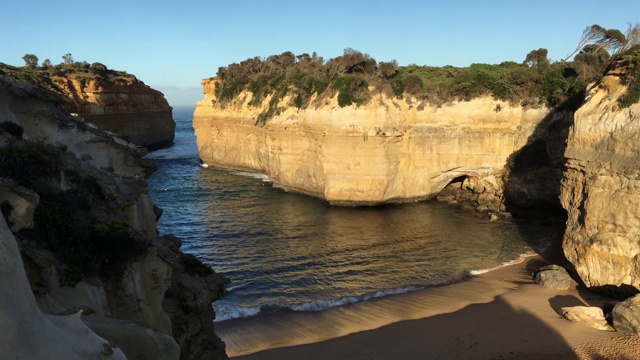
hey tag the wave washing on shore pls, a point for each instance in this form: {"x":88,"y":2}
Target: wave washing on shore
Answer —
{"x":289,"y":252}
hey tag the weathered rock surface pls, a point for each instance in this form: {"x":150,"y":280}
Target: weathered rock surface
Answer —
{"x":92,"y":188}
{"x":591,"y":316}
{"x":27,"y":333}
{"x":626,"y":316}
{"x":601,"y":190}
{"x":553,"y":276}
{"x":124,"y":106}
{"x":112,"y":100}
{"x":387,"y":150}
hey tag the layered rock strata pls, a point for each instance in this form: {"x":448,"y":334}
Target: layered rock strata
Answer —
{"x":387,"y":150}
{"x":124,"y":106}
{"x":88,"y":188}
{"x":601,"y":190}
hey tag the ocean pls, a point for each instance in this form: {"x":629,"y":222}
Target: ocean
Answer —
{"x":287,"y":253}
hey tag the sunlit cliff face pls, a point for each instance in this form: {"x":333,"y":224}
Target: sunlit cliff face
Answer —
{"x":384,"y":151}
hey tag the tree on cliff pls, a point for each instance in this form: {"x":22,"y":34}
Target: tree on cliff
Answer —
{"x":67,"y":59}
{"x":537,"y":58}
{"x":30,"y":60}
{"x":611,"y":40}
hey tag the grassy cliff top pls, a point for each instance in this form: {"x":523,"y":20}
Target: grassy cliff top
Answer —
{"x":51,"y":77}
{"x":356,"y":77}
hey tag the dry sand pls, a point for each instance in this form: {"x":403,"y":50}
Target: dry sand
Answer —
{"x":518,"y":320}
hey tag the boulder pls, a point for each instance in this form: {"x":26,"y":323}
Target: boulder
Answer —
{"x":588,"y":315}
{"x":553,"y":276}
{"x":626,"y":316}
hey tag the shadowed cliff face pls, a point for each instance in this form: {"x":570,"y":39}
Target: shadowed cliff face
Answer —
{"x":601,"y":190}
{"x":94,"y":245}
{"x":112,"y":100}
{"x":387,"y":150}
{"x":124,"y":106}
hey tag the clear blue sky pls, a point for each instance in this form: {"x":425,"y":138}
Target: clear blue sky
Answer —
{"x":172,"y":45}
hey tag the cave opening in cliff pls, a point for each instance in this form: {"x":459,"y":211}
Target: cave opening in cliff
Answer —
{"x":452,"y":192}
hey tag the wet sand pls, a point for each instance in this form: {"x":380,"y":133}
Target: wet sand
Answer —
{"x":501,"y":314}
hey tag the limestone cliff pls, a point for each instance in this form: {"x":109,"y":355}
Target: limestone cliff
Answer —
{"x":114,"y":101}
{"x":124,"y":106}
{"x":387,"y":150}
{"x":94,"y":246}
{"x":601,"y":189}
{"x":27,"y":332}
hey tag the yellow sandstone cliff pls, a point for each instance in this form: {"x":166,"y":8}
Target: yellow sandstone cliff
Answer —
{"x":387,"y":150}
{"x":122,"y":105}
{"x":601,"y":190}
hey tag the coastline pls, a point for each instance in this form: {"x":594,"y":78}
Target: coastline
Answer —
{"x":496,"y":314}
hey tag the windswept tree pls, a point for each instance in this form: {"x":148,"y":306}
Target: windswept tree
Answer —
{"x":30,"y":60}
{"x":537,"y":58}
{"x":67,"y":59}
{"x":611,"y":40}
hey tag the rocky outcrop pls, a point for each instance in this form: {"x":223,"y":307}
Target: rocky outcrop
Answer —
{"x":123,"y":105}
{"x":387,"y":150}
{"x":601,"y":190}
{"x":111,"y":100}
{"x":591,"y":316}
{"x":94,"y":246}
{"x":625,"y":317}
{"x":553,"y":276}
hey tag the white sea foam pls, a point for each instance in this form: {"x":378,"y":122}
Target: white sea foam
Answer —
{"x":258,"y":176}
{"x":227,"y":312}
{"x":544,"y":245}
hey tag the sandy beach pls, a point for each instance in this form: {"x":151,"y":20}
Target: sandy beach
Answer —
{"x":501,"y":314}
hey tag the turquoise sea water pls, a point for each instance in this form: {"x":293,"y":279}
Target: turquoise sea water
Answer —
{"x":290,"y":252}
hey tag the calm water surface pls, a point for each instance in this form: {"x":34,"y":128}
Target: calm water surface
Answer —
{"x":290,"y":251}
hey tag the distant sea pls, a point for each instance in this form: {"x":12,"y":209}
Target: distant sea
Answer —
{"x":287,"y":252}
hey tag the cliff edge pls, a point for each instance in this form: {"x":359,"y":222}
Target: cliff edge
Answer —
{"x":387,"y":150}
{"x":76,"y":199}
{"x":601,"y":186}
{"x":112,"y":100}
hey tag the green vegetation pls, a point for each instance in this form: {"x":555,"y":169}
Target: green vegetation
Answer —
{"x":631,"y":62}
{"x":50,"y":76}
{"x":64,"y":219}
{"x":355,"y":77}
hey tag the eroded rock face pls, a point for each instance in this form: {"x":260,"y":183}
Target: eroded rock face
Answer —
{"x":30,"y":334}
{"x":91,"y":187}
{"x":124,"y":106}
{"x":601,"y":191}
{"x":625,"y":316}
{"x":388,"y":150}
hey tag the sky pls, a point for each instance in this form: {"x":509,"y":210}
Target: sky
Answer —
{"x":172,"y":45}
